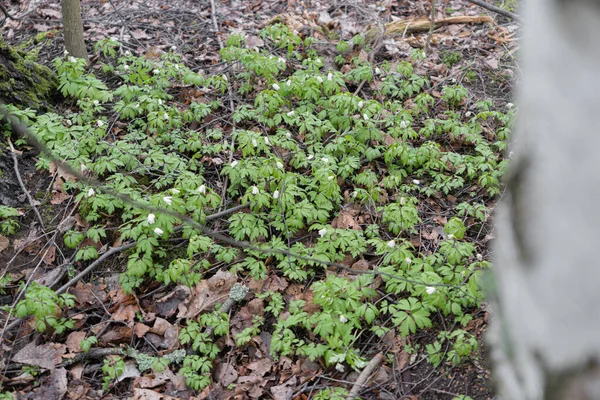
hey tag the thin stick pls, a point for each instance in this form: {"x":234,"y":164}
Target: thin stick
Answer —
{"x":364,"y":376}
{"x":431,"y":26}
{"x":29,"y":198}
{"x":495,"y":9}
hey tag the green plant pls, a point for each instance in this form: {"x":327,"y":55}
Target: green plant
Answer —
{"x":46,"y":306}
{"x":113,"y":367}
{"x":8,"y":223}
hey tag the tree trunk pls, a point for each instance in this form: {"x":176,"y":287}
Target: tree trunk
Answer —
{"x":73,"y":28}
{"x":546,"y":331}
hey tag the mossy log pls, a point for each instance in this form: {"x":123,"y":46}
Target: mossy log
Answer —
{"x":23,"y":82}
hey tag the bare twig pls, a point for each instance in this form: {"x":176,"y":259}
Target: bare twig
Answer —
{"x":29,"y":198}
{"x":495,"y":9}
{"x":364,"y":376}
{"x":431,"y":26}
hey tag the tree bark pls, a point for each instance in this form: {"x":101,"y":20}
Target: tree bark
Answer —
{"x":546,"y":330}
{"x":73,"y":28}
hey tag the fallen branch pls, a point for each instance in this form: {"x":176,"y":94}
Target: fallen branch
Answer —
{"x":364,"y":376}
{"x":29,"y":198}
{"x":495,"y":9}
{"x":402,"y":27}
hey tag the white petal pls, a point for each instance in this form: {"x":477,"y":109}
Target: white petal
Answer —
{"x":366,"y":117}
{"x":329,"y":76}
{"x":330,"y":177}
{"x":430,"y":290}
{"x":91,"y":192}
{"x":310,"y":157}
{"x":360,"y":104}
{"x":168,"y":199}
{"x":202,"y":189}
{"x":322,"y":232}
{"x":151,"y":218}
{"x":254,"y":142}
{"x":99,"y":123}
{"x":416,"y":181}
{"x":325,"y":160}
{"x":255,"y":190}
{"x":267,"y":140}
{"x":158,"y":231}
{"x":391,"y":244}
{"x":275,"y":86}
{"x":320,"y":79}
{"x":234,"y":163}
{"x":279,"y":165}
{"x":343,"y":319}
{"x":290,"y":114}
{"x":276,"y":194}
{"x":408,"y":260}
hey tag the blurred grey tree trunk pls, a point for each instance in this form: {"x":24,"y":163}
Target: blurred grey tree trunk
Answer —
{"x":546,"y":331}
{"x":73,"y":28}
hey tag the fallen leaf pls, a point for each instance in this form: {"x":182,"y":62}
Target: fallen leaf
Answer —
{"x":254,"y":41}
{"x":225,"y":374}
{"x":50,"y":255}
{"x":73,"y":341}
{"x":260,"y":367}
{"x":140,"y":329}
{"x":4,"y":243}
{"x":284,"y":391}
{"x":131,"y":371}
{"x":345,"y":220}
{"x":46,"y":355}
{"x":147,"y":394}
{"x":140,"y":34}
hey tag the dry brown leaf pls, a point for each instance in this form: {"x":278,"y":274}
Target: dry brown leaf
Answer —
{"x":345,"y":220}
{"x":140,"y":329}
{"x":73,"y":341}
{"x":59,"y":197}
{"x":284,"y":391}
{"x":50,"y":255}
{"x":46,"y":355}
{"x":260,"y":367}
{"x":4,"y":243}
{"x":225,"y":374}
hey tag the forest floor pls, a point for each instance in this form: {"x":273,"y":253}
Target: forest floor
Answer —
{"x":430,"y":349}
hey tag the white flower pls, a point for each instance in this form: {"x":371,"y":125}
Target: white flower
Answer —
{"x":468,"y":114}
{"x":322,"y":232}
{"x":83,"y":168}
{"x":290,"y":114}
{"x":511,"y":154}
{"x":234,"y":163}
{"x":279,"y":165}
{"x":403,"y":124}
{"x":391,"y":244}
{"x":254,"y":142}
{"x":176,"y":66}
{"x":276,"y":194}
{"x":202,"y":189}
{"x":175,"y":191}
{"x":416,"y":181}
{"x":509,"y":106}
{"x":289,"y":82}
{"x":377,"y":71}
{"x":225,"y":78}
{"x":72,"y":59}
{"x":166,"y":116}
{"x":329,"y":76}
{"x":366,"y":117}
{"x":275,"y":86}
{"x":320,"y":79}
{"x":281,"y":59}
{"x":158,"y":231}
{"x":479,"y":257}
{"x":325,"y":160}
{"x":69,"y":123}
{"x":173,"y":48}
{"x":114,"y":39}
{"x":310,"y":157}
{"x":330,"y":177}
{"x":267,"y":140}
{"x":450,"y":236}
{"x":65,"y":53}
{"x":430,"y":290}
{"x":360,"y":104}
{"x":402,"y":201}
{"x":255,"y":190}
{"x":168,"y":199}
{"x":340,"y":367}
{"x":408,"y":260}
{"x":156,"y":71}
{"x":127,"y":53}
{"x":126,"y":67}
{"x":91,"y":192}
{"x":151,"y":218}
{"x":343,"y":319}
{"x":96,"y":103}
{"x":137,"y":105}
{"x":100,"y":123}
{"x":354,"y":194}
{"x":288,"y":134}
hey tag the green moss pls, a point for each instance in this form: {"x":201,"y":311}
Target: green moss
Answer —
{"x":24,"y":82}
